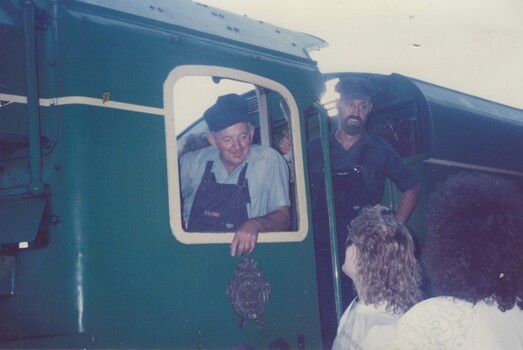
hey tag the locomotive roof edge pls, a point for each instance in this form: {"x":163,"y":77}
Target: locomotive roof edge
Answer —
{"x":190,"y":16}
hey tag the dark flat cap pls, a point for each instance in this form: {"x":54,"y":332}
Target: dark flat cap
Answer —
{"x":228,"y":110}
{"x":356,"y":88}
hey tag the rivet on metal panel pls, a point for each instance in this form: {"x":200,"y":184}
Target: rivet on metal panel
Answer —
{"x":106,"y":96}
{"x":233,"y":29}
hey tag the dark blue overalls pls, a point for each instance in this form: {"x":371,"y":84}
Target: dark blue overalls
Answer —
{"x":219,"y":207}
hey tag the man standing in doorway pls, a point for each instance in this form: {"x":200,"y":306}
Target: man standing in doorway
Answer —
{"x":360,"y":164}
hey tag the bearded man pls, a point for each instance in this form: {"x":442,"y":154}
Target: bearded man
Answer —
{"x":360,"y":164}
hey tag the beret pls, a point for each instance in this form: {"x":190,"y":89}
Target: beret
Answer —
{"x":356,"y":88}
{"x":228,"y":110}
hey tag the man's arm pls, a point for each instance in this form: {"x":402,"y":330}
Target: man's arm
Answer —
{"x":408,"y":201}
{"x":285,"y":144}
{"x":246,"y":236}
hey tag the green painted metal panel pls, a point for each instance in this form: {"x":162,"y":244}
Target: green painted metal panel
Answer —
{"x":20,"y":219}
{"x":112,"y":274}
{"x":7,"y":274}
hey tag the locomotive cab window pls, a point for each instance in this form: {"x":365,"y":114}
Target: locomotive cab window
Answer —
{"x":222,"y":130}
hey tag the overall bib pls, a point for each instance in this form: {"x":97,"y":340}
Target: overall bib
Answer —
{"x":350,"y":195}
{"x":219,"y":207}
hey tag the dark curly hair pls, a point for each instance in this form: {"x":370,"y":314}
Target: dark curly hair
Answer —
{"x":386,"y":267}
{"x":474,"y":246}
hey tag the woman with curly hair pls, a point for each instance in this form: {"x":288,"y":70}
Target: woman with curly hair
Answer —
{"x":474,"y":262}
{"x":380,"y":260}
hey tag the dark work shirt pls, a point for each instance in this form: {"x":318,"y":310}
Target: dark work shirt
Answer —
{"x":380,"y":162}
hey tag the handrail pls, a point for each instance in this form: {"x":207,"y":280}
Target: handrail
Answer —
{"x":36,"y":186}
{"x":324,"y":133}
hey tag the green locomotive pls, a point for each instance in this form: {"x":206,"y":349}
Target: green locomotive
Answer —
{"x":97,"y":101}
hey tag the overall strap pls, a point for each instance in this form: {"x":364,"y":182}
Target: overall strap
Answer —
{"x":243,"y":184}
{"x":207,"y":174}
{"x":363,"y":153}
{"x":241,"y":177}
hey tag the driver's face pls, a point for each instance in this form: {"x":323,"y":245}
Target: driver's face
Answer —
{"x":233,"y":143}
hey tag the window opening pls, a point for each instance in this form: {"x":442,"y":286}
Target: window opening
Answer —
{"x":270,"y":106}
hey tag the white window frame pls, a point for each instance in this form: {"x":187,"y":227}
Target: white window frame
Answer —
{"x":175,"y":209}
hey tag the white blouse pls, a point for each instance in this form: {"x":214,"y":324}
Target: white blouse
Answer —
{"x":445,"y":323}
{"x":356,"y":323}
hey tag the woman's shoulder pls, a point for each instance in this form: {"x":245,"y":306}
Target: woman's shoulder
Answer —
{"x":450,"y":323}
{"x":436,"y":301}
{"x":435,"y":323}
{"x":440,"y":307}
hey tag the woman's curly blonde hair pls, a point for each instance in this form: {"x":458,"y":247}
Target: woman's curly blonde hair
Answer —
{"x":386,"y":268}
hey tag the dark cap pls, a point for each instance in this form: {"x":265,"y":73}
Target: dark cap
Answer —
{"x":228,"y":110}
{"x":356,"y":88}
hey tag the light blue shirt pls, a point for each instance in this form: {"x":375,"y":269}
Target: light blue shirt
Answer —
{"x":267,"y":176}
